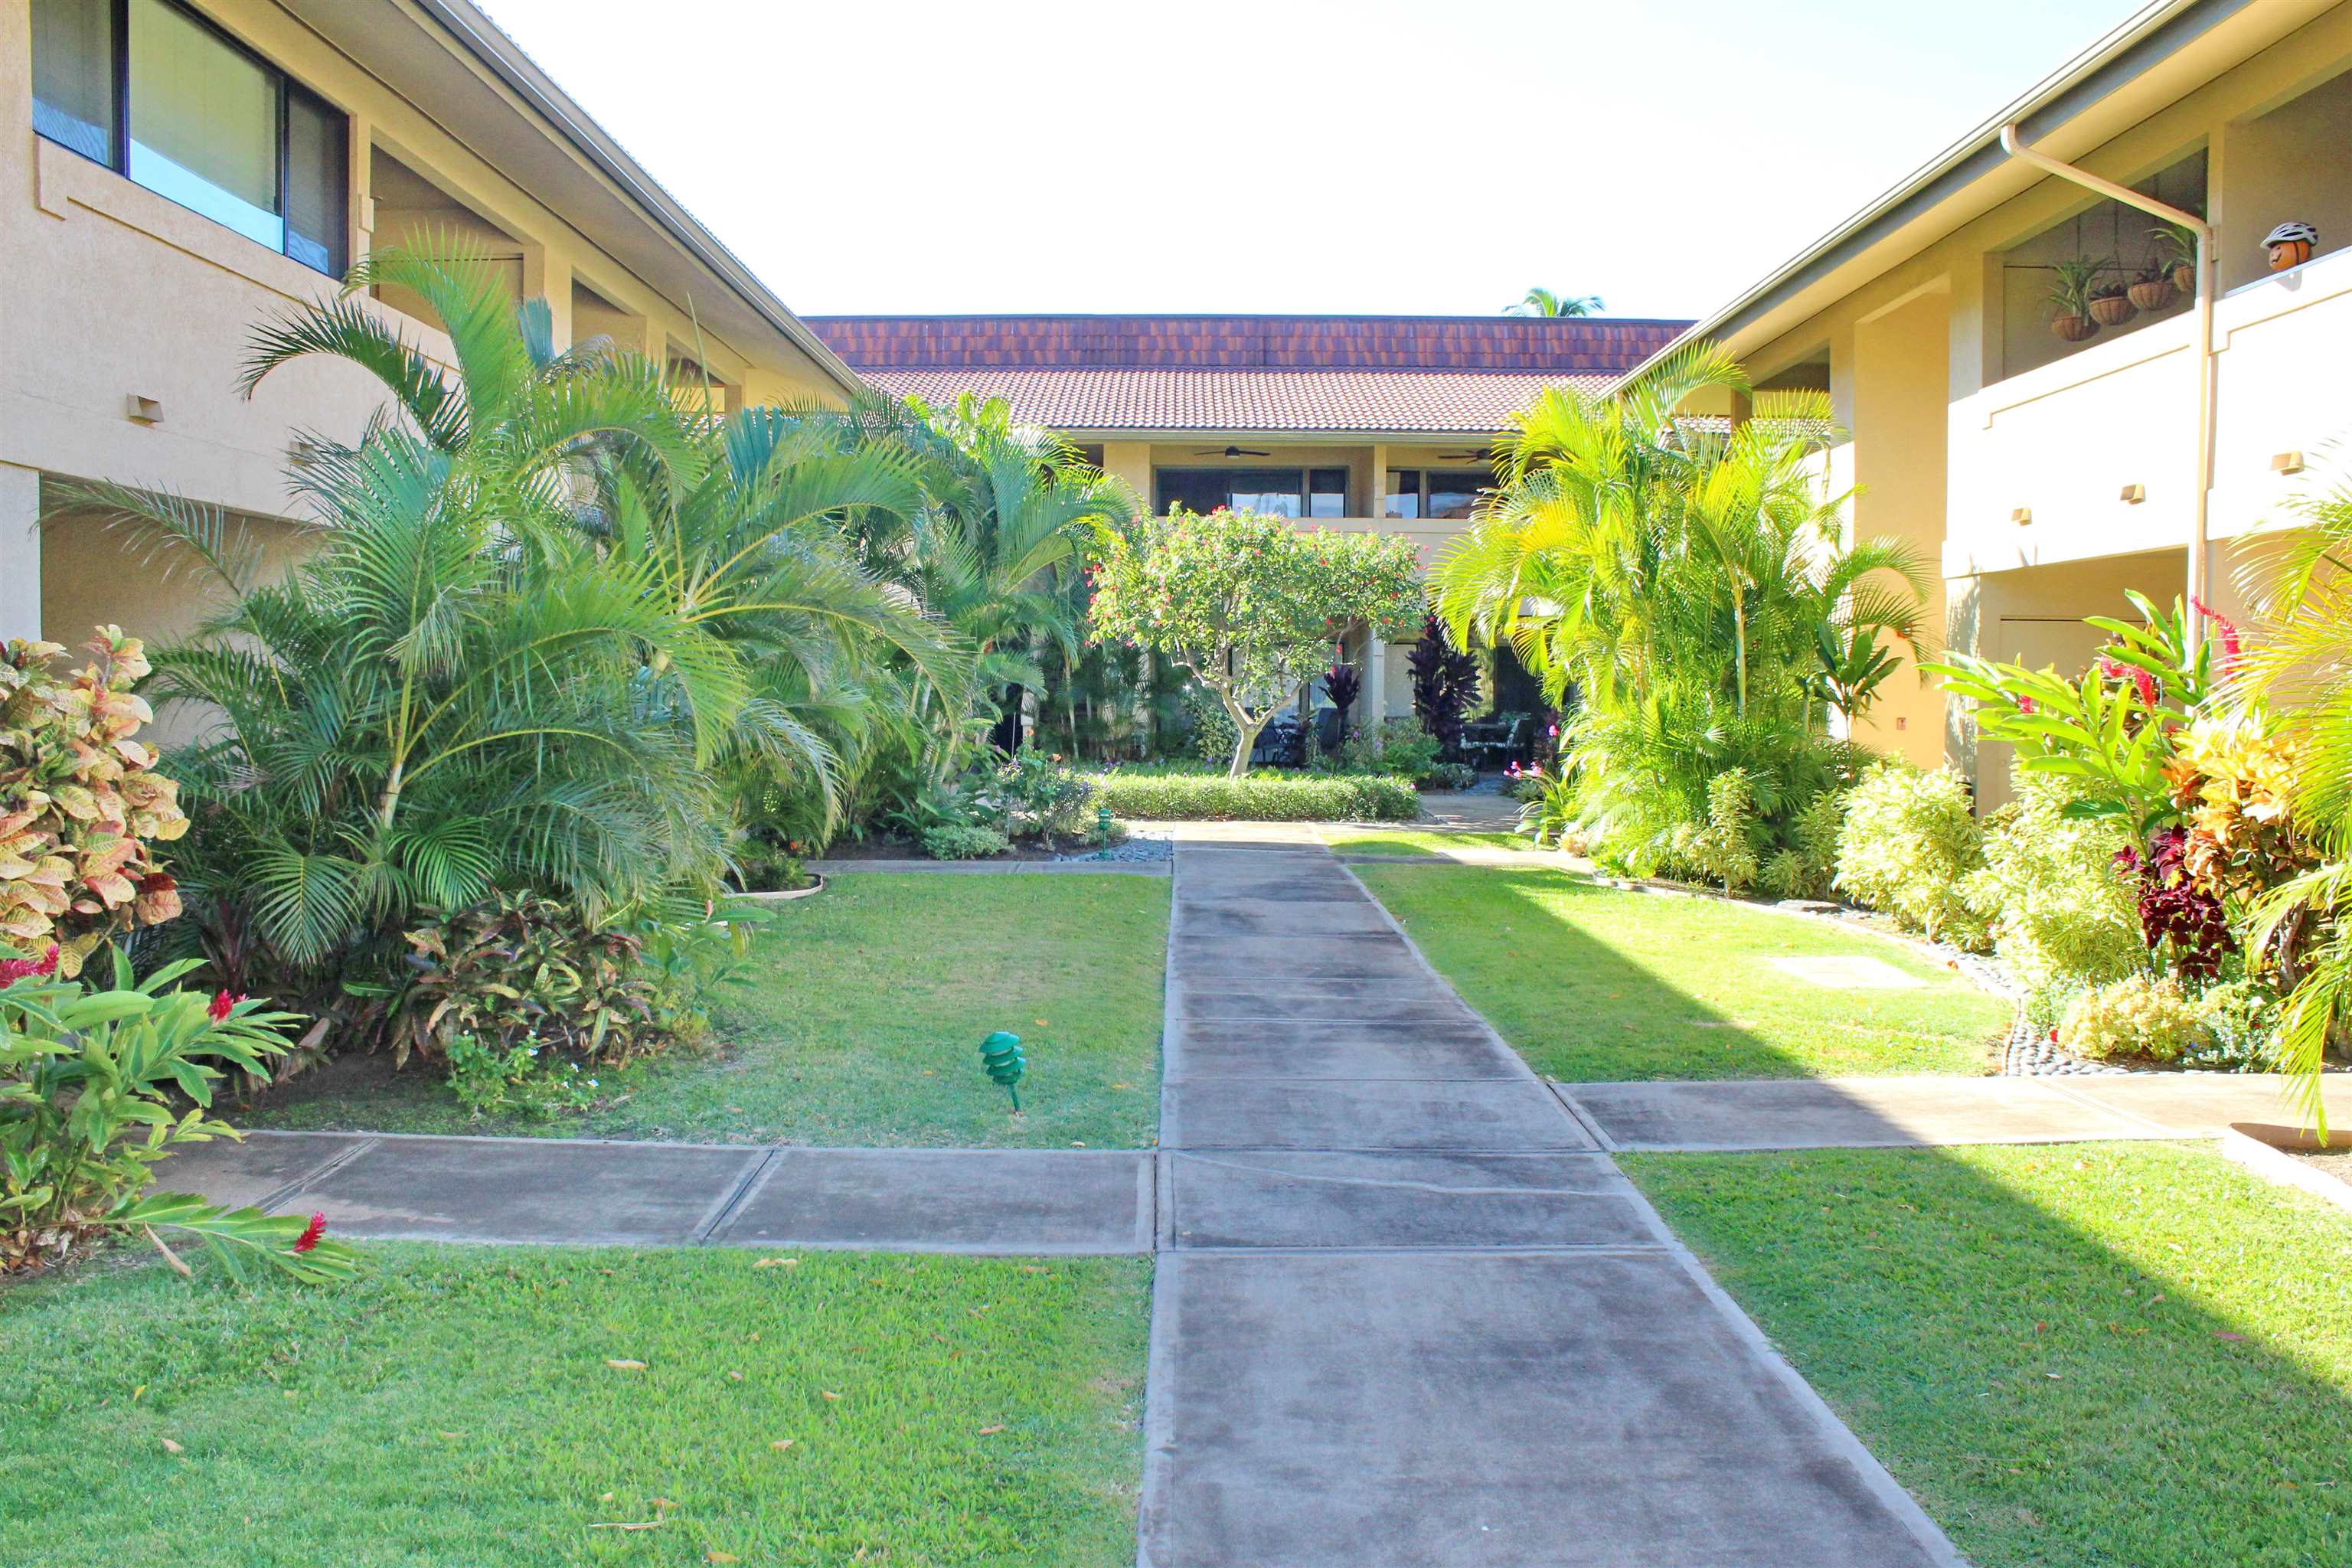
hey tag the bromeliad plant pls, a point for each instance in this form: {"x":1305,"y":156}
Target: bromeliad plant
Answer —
{"x":89,"y":1079}
{"x":81,"y":806}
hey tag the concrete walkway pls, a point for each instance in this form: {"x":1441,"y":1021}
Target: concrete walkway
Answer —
{"x":1407,"y":1311}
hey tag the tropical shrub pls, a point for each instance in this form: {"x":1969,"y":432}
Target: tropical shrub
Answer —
{"x":689,"y":953}
{"x":81,"y":806}
{"x":492,"y":1079}
{"x":1445,"y":685}
{"x":98,"y":1084}
{"x":2239,"y":1028}
{"x":1908,"y":842}
{"x":1551,"y":811}
{"x":1448,"y":775}
{"x":2061,"y":909}
{"x":1401,"y":748}
{"x":1031,"y":795}
{"x":1807,"y":867}
{"x":1166,"y":796}
{"x":1249,"y":603}
{"x":522,"y":970}
{"x":1684,"y":583}
{"x":956,"y":842}
{"x":1212,"y":734}
{"x":1724,"y":850}
{"x":2138,"y":1015}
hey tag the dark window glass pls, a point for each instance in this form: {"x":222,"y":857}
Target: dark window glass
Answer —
{"x":1196,"y":490}
{"x":1403,"y":492}
{"x":1327,"y":492}
{"x":211,"y":127}
{"x":318,"y":172}
{"x":1452,"y":493}
{"x":73,"y":75}
{"x":1277,"y":492}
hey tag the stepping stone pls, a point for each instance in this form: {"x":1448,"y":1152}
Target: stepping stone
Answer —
{"x":1359,"y":1113}
{"x":1296,"y":1199}
{"x":1016,"y":1201}
{"x":526,"y":1190}
{"x":1491,"y":1410}
{"x":1858,"y":1113}
{"x":1290,"y":1048}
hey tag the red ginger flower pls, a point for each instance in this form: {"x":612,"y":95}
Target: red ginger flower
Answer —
{"x":12,"y":970}
{"x":221,"y":1004}
{"x":311,"y":1232}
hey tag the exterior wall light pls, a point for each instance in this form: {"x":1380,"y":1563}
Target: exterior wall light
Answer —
{"x":2022,"y":516}
{"x":2133,"y":494}
{"x":144,"y":410}
{"x":2287,"y":462}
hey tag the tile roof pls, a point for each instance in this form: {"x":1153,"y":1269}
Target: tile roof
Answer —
{"x":1442,"y":374}
{"x":1572,"y":344}
{"x":1384,"y":402}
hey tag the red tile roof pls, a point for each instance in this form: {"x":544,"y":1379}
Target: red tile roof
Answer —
{"x":1369,"y":402}
{"x":1442,"y":374}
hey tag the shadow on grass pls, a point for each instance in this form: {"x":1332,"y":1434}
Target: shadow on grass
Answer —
{"x":2115,"y":1354}
{"x":1598,"y":984}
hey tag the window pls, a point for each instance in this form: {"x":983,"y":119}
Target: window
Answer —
{"x":1439,"y":493}
{"x":152,"y":91}
{"x":1327,"y":492}
{"x":1277,"y":492}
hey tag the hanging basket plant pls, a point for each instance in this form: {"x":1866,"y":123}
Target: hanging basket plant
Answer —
{"x":2110,"y":304}
{"x":2152,"y":290}
{"x":2175,"y":256}
{"x":2071,"y":282}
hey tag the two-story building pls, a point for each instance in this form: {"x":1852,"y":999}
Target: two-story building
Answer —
{"x":172,"y":173}
{"x":2049,"y":454}
{"x":1344,"y":421}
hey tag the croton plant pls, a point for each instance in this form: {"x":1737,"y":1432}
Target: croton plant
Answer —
{"x":81,"y":805}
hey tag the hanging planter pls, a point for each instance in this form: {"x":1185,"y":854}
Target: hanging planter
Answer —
{"x":2071,"y":282}
{"x":2176,"y":257}
{"x":2110,"y":305}
{"x":2152,"y":291}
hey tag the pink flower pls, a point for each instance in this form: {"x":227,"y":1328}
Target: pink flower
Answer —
{"x":2231,"y":646}
{"x":12,"y":970}
{"x":222,"y":1004}
{"x":311,"y":1232}
{"x":2027,"y":705}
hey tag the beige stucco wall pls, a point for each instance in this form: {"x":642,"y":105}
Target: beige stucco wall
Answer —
{"x":2057,"y":487}
{"x":112,"y":291}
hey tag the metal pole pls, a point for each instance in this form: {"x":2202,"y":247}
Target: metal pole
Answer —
{"x":2014,"y":145}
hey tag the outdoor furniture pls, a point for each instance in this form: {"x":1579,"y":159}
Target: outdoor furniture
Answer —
{"x":1493,"y":743}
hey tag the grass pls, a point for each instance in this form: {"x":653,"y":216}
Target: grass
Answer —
{"x":1418,"y":841}
{"x":457,"y":1409}
{"x":2096,"y":1356}
{"x":863,"y":1023}
{"x":1597,"y":984}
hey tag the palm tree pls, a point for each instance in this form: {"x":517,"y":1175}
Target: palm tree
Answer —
{"x":1544,"y":303}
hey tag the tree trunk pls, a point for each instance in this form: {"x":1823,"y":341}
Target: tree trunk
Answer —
{"x":1246,"y":733}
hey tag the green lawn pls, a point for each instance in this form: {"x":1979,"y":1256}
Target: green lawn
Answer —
{"x":1592,"y":983}
{"x":864,"y":1028}
{"x":1418,"y":841}
{"x":457,"y":1409}
{"x":2093,"y":1356}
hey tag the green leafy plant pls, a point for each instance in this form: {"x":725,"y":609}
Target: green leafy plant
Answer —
{"x":2240,"y":1022}
{"x":1249,"y":603}
{"x":1401,"y":748}
{"x":91,"y":1085}
{"x":961,"y":843}
{"x":1807,"y":867}
{"x":2062,"y":911}
{"x":1033,"y":796}
{"x":2138,"y":1015}
{"x":81,"y":805}
{"x":1724,"y":848}
{"x":521,"y":969}
{"x":1212,"y":734}
{"x":1166,"y":796}
{"x":2073,"y":280}
{"x":1908,"y":841}
{"x":513,"y":1080}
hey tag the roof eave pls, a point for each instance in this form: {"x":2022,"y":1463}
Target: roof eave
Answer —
{"x":2142,"y":40}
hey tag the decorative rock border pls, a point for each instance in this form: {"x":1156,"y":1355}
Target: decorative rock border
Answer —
{"x":786,"y":895}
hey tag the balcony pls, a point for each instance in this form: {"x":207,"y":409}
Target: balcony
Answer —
{"x":2095,"y":454}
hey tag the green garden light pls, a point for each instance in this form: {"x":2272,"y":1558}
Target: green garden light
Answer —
{"x":1000,"y":1054}
{"x":1102,"y":827}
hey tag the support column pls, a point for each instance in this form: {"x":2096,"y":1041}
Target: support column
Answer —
{"x":549,"y":278}
{"x":20,"y":551}
{"x":1129,"y":462}
{"x":1376,"y":680}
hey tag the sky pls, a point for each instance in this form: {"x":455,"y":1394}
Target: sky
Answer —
{"x":1284,"y":155}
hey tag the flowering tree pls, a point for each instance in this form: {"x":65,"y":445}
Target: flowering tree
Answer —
{"x":1248,"y":602}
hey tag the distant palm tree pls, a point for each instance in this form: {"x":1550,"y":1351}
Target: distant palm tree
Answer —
{"x":1544,"y":303}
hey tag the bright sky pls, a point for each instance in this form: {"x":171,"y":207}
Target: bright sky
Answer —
{"x":1377,"y":156}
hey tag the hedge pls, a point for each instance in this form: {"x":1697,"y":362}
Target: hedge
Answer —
{"x":1213,"y":798}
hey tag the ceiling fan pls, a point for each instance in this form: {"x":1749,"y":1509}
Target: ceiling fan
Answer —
{"x":1466,"y":457}
{"x":1233,"y":452}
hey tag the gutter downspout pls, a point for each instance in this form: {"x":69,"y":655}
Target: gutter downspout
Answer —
{"x":2193,"y":618}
